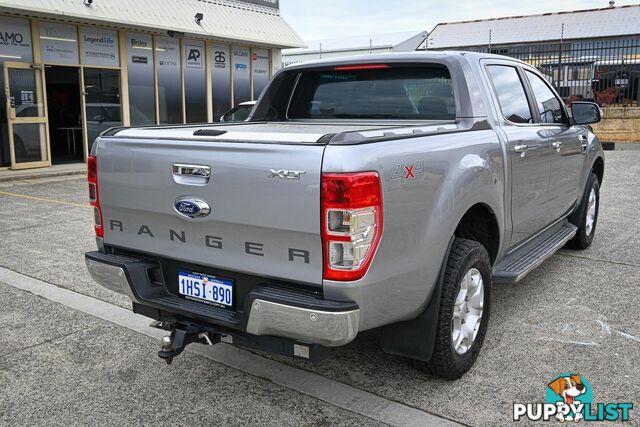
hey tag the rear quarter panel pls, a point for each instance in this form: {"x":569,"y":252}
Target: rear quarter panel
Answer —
{"x":420,"y":214}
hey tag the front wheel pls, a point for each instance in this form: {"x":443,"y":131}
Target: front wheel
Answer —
{"x":587,"y":217}
{"x":464,"y":310}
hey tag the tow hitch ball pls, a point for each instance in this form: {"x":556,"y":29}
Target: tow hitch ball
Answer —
{"x":174,"y":344}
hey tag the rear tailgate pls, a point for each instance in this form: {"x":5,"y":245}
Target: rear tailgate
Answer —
{"x":260,"y":223}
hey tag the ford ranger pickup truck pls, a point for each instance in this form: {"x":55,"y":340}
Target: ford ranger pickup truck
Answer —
{"x":384,"y":191}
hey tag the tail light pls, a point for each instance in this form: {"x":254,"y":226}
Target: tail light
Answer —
{"x":351,"y":223}
{"x":94,"y":198}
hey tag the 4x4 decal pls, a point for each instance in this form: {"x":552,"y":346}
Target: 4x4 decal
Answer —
{"x":409,"y":171}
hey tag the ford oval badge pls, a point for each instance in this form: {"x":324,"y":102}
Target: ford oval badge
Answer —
{"x":192,"y":207}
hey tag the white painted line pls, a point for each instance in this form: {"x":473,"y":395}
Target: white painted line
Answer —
{"x":333,"y":392}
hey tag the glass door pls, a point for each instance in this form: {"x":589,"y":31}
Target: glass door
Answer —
{"x":102,"y":101}
{"x":26,"y":116}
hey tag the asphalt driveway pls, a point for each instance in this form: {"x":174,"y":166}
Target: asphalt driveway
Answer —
{"x":578,"y":312}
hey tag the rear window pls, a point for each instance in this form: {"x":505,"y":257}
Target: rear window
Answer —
{"x":411,"y":93}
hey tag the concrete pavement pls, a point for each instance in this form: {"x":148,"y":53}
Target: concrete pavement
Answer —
{"x":578,"y":312}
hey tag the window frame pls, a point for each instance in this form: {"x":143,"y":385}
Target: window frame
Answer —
{"x":533,"y":108}
{"x":534,"y":100}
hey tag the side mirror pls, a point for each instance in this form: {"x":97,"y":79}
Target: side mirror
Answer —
{"x":585,"y":113}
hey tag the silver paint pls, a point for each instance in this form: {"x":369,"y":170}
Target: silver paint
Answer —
{"x":461,"y":169}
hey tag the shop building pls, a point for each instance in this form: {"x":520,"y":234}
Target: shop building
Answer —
{"x":73,"y":68}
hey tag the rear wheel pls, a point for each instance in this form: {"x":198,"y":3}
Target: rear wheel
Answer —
{"x":587,"y":217}
{"x":464,"y":310}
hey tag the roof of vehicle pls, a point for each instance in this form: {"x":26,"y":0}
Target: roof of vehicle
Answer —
{"x":420,"y":56}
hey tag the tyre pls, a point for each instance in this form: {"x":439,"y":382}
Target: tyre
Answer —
{"x":586,"y":217}
{"x":464,"y":310}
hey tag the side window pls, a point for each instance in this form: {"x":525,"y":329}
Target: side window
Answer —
{"x":549,"y":105}
{"x":510,"y":92}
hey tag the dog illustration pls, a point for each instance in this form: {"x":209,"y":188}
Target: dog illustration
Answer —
{"x":568,"y":388}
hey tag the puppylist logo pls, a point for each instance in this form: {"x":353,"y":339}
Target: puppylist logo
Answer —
{"x":569,"y":397}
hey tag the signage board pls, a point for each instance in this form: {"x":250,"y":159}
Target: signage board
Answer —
{"x":58,"y":43}
{"x":99,"y":47}
{"x":15,"y":40}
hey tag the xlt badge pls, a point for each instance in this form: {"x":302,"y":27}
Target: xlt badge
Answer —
{"x":286,"y":174}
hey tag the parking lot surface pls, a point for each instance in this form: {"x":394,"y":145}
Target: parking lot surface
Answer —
{"x":578,"y":312}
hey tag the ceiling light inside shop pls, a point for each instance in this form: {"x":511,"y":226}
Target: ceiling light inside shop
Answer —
{"x":60,"y":39}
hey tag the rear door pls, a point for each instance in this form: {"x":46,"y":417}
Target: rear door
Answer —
{"x":263,"y":202}
{"x":567,"y":143}
{"x":529,"y":152}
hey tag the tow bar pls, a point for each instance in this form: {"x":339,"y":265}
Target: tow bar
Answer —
{"x":181,"y":336}
{"x":183,"y":333}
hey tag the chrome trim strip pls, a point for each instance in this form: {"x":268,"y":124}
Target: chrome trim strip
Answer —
{"x":316,"y":327}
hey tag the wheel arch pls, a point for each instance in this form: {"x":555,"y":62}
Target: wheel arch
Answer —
{"x":480,"y":223}
{"x":598,"y":168}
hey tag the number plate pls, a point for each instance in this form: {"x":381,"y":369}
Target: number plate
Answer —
{"x":207,"y":289}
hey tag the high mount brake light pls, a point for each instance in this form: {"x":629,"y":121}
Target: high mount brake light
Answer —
{"x":351,"y":223}
{"x":361,"y":67}
{"x":94,"y":197}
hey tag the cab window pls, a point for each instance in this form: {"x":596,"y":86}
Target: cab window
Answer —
{"x":511,"y":94}
{"x":549,"y":106}
{"x":376,"y":91}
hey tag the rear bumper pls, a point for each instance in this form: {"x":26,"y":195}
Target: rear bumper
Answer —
{"x":267,"y":311}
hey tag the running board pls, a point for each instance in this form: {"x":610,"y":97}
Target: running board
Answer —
{"x":527,"y":258}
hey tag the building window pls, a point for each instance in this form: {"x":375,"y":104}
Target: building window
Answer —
{"x":221,"y":80}
{"x":169,"y":80}
{"x":260,"y":70}
{"x":140,"y":76}
{"x":102,"y":101}
{"x":195,"y":81}
{"x":241,"y":75}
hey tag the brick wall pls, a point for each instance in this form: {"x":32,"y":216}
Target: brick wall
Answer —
{"x":619,"y":124}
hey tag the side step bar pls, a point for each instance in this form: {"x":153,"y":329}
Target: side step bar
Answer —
{"x":528,"y":257}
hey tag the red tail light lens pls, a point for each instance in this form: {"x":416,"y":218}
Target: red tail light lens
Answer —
{"x":94,"y":199}
{"x":351,"y":223}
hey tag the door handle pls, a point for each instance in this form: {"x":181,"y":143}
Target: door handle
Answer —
{"x":583,"y":142}
{"x":520,"y":148}
{"x":556,"y":145}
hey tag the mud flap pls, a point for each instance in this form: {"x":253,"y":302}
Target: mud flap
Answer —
{"x":415,"y":338}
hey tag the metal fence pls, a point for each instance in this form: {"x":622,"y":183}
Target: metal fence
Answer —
{"x":606,"y":72}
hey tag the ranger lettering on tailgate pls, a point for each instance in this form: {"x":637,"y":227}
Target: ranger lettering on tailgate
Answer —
{"x":250,"y":248}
